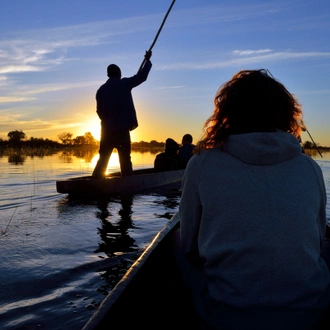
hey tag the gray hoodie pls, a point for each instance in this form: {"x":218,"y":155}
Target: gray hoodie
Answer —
{"x":254,"y":216}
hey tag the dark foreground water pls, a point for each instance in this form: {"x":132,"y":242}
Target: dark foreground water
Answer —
{"x":59,"y":257}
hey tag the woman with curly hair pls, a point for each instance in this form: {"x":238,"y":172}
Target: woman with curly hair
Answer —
{"x":253,"y":213}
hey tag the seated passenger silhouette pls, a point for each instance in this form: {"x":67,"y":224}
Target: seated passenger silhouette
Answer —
{"x":186,"y":150}
{"x":168,"y":160}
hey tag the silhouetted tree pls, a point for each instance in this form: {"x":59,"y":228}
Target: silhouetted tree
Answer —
{"x":308,"y":145}
{"x":41,"y":143}
{"x":16,"y":137}
{"x":65,"y":138}
{"x":87,"y":139}
{"x":79,"y":140}
{"x":90,"y":138}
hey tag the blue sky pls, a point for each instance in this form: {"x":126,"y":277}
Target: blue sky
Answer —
{"x":54,"y":54}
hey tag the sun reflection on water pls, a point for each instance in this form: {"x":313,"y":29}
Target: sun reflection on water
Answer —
{"x":139,"y":160}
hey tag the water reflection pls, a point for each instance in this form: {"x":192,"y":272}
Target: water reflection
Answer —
{"x":316,"y":155}
{"x":71,"y":155}
{"x":68,"y":155}
{"x":16,"y":158}
{"x":114,"y":225}
{"x":114,"y":233}
{"x":169,"y":197}
{"x":115,"y":215}
{"x":19,"y":155}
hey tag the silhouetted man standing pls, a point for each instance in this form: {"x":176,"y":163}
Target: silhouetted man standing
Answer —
{"x":115,"y":108}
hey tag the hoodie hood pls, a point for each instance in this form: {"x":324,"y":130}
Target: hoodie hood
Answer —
{"x":263,"y":148}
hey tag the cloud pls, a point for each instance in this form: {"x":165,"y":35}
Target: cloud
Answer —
{"x":28,"y":56}
{"x":27,"y":93}
{"x":219,"y":13}
{"x":19,"y":68}
{"x":250,"y":52}
{"x":258,"y":56}
{"x":41,"y":50}
{"x":275,"y":12}
{"x":11,"y":99}
{"x":38,"y":50}
{"x":45,"y":88}
{"x":171,"y":87}
{"x":13,"y":122}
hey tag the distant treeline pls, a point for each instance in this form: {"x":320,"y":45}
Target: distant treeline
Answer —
{"x":311,"y":149}
{"x":18,"y":139}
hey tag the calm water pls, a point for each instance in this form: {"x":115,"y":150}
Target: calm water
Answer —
{"x":61,"y":256}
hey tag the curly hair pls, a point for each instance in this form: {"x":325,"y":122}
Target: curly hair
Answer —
{"x":252,"y":101}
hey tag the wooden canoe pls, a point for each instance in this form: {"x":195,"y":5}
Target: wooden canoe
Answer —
{"x":150,"y":295}
{"x":113,"y":183}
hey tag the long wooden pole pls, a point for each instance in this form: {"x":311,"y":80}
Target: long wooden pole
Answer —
{"x":152,"y":45}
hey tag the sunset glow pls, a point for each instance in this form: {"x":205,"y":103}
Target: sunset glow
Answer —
{"x":54,"y":57}
{"x":93,"y":126}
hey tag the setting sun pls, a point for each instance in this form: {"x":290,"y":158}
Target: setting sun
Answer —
{"x":94,"y":127}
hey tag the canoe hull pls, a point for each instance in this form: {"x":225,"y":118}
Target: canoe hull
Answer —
{"x":115,"y":184}
{"x":150,"y":294}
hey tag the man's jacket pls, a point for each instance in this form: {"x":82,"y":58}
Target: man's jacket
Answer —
{"x":114,"y":101}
